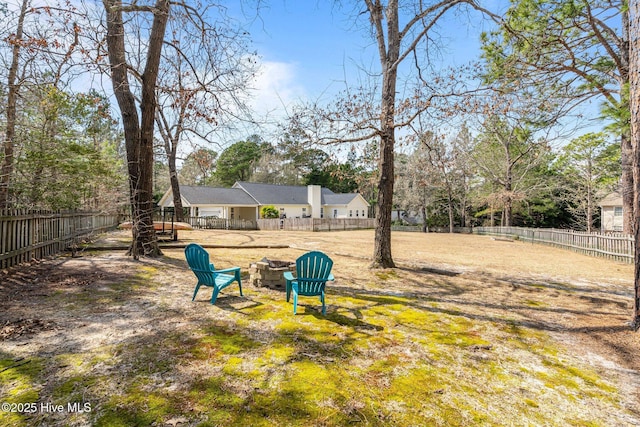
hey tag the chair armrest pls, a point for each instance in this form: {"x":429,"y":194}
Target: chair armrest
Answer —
{"x":331,"y":278}
{"x":288,"y":275}
{"x":227,"y":270}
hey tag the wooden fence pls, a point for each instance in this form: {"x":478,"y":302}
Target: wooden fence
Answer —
{"x":619,"y":247}
{"x":30,"y":235}
{"x":293,"y":224}
{"x":211,"y":223}
{"x":316,"y":224}
{"x":418,"y":229}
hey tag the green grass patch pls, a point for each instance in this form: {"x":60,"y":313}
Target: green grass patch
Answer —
{"x":387,"y":274}
{"x":19,"y":385}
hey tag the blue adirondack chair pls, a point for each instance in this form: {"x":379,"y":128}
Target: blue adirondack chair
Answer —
{"x":313,"y":270}
{"x":198,"y":260}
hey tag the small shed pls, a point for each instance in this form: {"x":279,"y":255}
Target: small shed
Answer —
{"x":611,"y":213}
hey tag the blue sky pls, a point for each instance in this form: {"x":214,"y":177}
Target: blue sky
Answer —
{"x":309,"y":47}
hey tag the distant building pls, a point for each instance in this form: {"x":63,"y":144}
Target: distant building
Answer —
{"x":244,"y":200}
{"x":611,"y":213}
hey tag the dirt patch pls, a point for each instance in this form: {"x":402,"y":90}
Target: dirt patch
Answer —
{"x":20,"y":327}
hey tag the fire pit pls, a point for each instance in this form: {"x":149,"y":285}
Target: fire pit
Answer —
{"x":269,"y":273}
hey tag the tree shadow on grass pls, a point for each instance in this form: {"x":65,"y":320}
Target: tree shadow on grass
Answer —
{"x":334,"y":315}
{"x":430,"y":270}
{"x":235,"y":303}
{"x":485,"y":311}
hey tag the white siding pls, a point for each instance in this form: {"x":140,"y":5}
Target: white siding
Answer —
{"x":611,"y":218}
{"x":335,"y":212}
{"x":211,"y":211}
{"x":295,"y":211}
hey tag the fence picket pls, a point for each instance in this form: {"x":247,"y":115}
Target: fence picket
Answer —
{"x":29,"y":235}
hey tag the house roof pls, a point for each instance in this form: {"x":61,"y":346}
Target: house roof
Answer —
{"x":338,"y":199}
{"x":208,"y":195}
{"x":272,"y":194}
{"x":255,"y":194}
{"x":612,"y":199}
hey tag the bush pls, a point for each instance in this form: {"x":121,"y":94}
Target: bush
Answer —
{"x":269,"y":211}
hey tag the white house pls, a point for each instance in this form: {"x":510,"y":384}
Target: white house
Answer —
{"x":611,"y":212}
{"x":244,"y":200}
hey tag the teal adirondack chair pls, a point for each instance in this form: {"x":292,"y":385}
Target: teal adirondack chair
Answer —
{"x":313,"y":270}
{"x":198,"y":260}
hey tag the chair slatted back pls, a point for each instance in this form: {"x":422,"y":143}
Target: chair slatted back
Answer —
{"x":198,"y":260}
{"x":313,"y":269}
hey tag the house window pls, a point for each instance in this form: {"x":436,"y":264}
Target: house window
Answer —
{"x":232,"y":213}
{"x":321,"y":212}
{"x":350,"y":213}
{"x":617,"y":211}
{"x":357,"y":212}
{"x":363,"y":213}
{"x":335,"y":213}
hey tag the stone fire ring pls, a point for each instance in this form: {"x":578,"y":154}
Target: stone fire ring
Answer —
{"x":269,"y":273}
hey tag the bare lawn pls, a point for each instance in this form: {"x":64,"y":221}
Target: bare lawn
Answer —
{"x":467,"y":330}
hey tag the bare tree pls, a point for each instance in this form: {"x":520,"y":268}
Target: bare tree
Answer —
{"x":205,"y":71}
{"x":634,"y":84}
{"x":138,"y":129}
{"x":375,"y":113}
{"x":6,"y":170}
{"x":450,"y":169}
{"x":416,"y":184}
{"x":198,"y":167}
{"x":39,"y":55}
{"x":509,"y":149}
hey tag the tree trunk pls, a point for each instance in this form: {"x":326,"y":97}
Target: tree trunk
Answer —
{"x":451,"y":216}
{"x":508,"y":187}
{"x":389,"y":54}
{"x":170,"y":148}
{"x":138,"y":134}
{"x":634,"y":84}
{"x":147,"y":243}
{"x":6,"y":170}
{"x":464,"y":220}
{"x":626,"y":141}
{"x":492,"y":216}
{"x":507,"y":214}
{"x":175,"y":189}
{"x":627,"y":182}
{"x":382,"y":247}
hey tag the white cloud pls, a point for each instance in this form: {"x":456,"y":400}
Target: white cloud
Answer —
{"x":275,"y":89}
